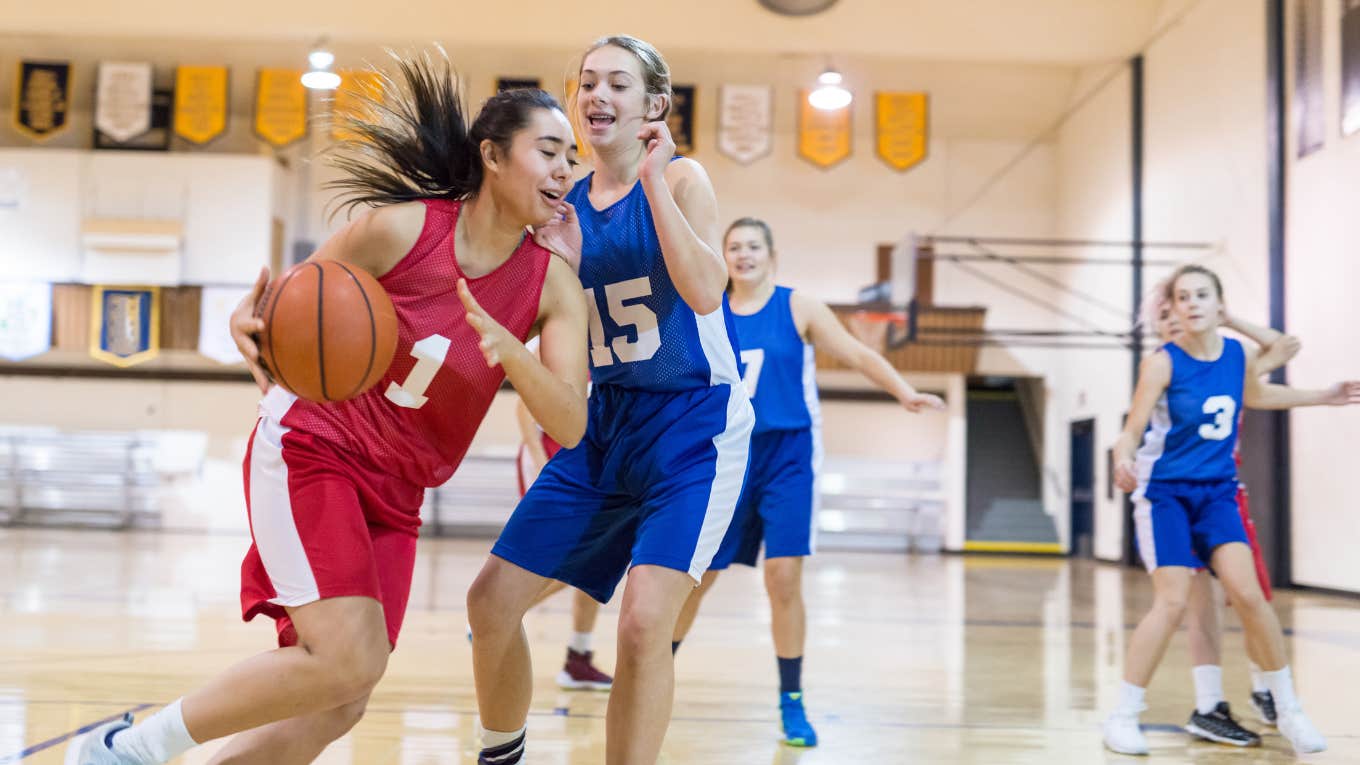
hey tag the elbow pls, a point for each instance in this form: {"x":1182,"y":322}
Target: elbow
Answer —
{"x":575,"y":431}
{"x":705,"y":304}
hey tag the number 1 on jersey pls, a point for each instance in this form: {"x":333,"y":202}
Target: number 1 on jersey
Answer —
{"x":429,"y":354}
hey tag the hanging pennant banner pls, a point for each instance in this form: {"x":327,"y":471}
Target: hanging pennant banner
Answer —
{"x":200,"y":102}
{"x":823,"y":135}
{"x":680,"y":120}
{"x":124,"y":324}
{"x":42,"y":95}
{"x":25,"y":320}
{"x":354,"y":98}
{"x":515,"y":83}
{"x":123,"y":100}
{"x":280,"y":106}
{"x":745,"y":122}
{"x":901,"y":121}
{"x":582,"y":146}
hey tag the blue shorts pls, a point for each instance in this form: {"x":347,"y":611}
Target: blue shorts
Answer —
{"x":778,"y":504}
{"x":1181,"y":523}
{"x":654,"y":482}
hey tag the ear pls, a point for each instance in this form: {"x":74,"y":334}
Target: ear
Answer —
{"x":656,"y":106}
{"x":491,"y":155}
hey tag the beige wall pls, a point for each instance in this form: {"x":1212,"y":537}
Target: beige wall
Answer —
{"x":1322,"y":273}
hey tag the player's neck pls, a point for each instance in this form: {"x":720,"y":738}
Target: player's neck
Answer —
{"x":1204,"y":346}
{"x":616,"y":167}
{"x":749,"y":299}
{"x":484,"y":238}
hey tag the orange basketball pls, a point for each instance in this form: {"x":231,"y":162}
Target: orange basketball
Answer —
{"x":329,"y":330}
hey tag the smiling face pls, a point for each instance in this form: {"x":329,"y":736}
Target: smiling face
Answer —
{"x":616,"y":96}
{"x":529,"y":178}
{"x":750,"y":262}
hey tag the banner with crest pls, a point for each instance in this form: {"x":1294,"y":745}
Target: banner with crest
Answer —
{"x":201,"y":104}
{"x":125,"y":324}
{"x":745,"y":122}
{"x":901,"y":124}
{"x":42,"y":98}
{"x":824,"y":135}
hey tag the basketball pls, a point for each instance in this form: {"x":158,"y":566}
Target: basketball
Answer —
{"x":330,"y":330}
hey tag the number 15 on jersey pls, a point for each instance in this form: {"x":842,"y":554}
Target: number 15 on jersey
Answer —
{"x":626,"y":315}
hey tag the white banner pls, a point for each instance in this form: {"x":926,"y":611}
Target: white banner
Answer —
{"x":214,"y":336}
{"x":25,"y":320}
{"x":123,"y":100}
{"x":745,"y":122}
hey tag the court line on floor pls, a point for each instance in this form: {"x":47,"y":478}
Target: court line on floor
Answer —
{"x":51,"y":742}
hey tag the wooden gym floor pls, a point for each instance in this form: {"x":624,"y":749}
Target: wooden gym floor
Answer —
{"x":911,"y":659}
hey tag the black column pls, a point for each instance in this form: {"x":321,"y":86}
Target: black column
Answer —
{"x":1136,"y":236}
{"x":1279,"y":556}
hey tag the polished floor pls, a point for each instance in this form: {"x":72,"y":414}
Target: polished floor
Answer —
{"x":911,"y":659}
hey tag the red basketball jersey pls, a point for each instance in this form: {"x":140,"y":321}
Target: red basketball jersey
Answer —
{"x":417,"y":422}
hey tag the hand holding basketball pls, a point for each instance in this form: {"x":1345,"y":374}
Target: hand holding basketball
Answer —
{"x":920,"y":402}
{"x":1125,"y":476}
{"x":496,"y":340}
{"x":246,"y":328}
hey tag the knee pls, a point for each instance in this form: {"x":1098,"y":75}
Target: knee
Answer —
{"x":358,"y":671}
{"x":1172,"y":604}
{"x":1246,"y":599}
{"x":641,"y":629}
{"x":784,"y":583}
{"x":486,"y":610}
{"x":340,"y":720}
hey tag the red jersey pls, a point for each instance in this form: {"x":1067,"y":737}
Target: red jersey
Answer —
{"x":417,"y":422}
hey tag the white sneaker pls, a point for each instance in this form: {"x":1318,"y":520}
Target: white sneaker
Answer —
{"x":1122,"y":734}
{"x":1298,"y":730}
{"x":92,"y":749}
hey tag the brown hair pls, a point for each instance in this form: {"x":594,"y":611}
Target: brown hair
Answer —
{"x":753,"y":223}
{"x":1192,"y":268}
{"x":656,"y":75}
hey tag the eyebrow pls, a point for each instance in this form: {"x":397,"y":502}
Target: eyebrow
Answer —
{"x":616,"y":71}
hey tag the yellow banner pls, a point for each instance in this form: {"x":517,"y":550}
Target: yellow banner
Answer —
{"x":823,"y":136}
{"x":354,"y":97}
{"x":200,"y":102}
{"x":902,"y":122}
{"x":582,"y":147}
{"x":280,"y":106}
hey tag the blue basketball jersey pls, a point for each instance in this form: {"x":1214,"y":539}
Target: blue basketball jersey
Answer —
{"x":779,"y":369}
{"x":1193,"y":435}
{"x":643,"y":336}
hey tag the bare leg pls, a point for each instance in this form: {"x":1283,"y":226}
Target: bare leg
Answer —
{"x":1148,"y":643}
{"x":584,"y":612}
{"x":788,"y":617}
{"x":1237,"y":571}
{"x":496,"y":604}
{"x":296,"y":741}
{"x":644,"y":683}
{"x":691,"y":609}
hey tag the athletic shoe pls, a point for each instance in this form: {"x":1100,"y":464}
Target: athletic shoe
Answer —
{"x":1264,"y":704}
{"x":1122,"y":734}
{"x":1299,"y":731}
{"x":1219,"y":726}
{"x":580,"y":674}
{"x":797,"y":730}
{"x":94,"y":747}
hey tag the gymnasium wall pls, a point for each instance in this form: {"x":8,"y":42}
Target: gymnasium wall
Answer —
{"x":1322,"y":273}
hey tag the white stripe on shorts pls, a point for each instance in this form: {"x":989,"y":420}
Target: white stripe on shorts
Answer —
{"x":734,"y":447}
{"x":271,"y":520}
{"x":1142,"y":527}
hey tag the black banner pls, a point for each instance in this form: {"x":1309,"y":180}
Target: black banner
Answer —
{"x":681,"y":118}
{"x":515,"y":83}
{"x":1350,"y":67}
{"x":42,"y":98}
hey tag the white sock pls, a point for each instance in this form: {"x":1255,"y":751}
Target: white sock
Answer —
{"x":581,"y":641}
{"x":1281,"y":685}
{"x":1130,"y":699}
{"x":160,"y":738}
{"x":492,"y":739}
{"x":1208,"y":687}
{"x":1258,"y":679}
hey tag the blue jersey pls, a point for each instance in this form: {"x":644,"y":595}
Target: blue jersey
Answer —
{"x":643,"y":336}
{"x":779,"y":369}
{"x":1192,"y":436}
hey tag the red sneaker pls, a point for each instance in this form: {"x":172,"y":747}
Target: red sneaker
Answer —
{"x":579,"y":674}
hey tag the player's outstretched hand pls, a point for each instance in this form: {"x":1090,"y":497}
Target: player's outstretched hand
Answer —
{"x":921,"y":402}
{"x":496,"y":340}
{"x":246,"y":328}
{"x":1344,"y":393}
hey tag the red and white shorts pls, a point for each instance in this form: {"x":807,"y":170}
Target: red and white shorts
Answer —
{"x":323,"y":528}
{"x":1262,"y":575}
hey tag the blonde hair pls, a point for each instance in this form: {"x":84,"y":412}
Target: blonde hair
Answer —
{"x":656,"y":74}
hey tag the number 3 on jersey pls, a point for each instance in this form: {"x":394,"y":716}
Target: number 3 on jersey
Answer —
{"x":1224,"y":410}
{"x":634,"y":315}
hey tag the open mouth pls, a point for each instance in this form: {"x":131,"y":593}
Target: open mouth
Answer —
{"x":600,"y":120}
{"x":553,"y":197}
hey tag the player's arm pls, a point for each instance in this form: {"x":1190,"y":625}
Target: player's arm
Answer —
{"x":1154,"y":375}
{"x":553,"y":389}
{"x":685,"y":212}
{"x":375,"y":241}
{"x":1277,"y":348}
{"x":528,"y":433}
{"x":1261,"y":395}
{"x":826,"y":332}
